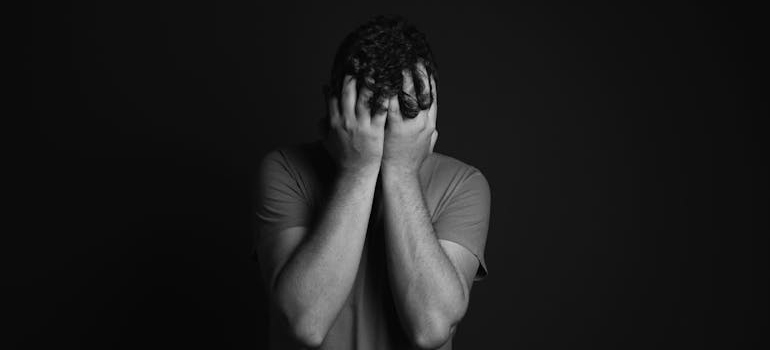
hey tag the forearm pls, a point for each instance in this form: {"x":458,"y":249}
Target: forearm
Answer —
{"x":315,"y":282}
{"x":429,"y":294}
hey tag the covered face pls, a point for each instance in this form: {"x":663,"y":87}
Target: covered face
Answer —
{"x":384,"y":55}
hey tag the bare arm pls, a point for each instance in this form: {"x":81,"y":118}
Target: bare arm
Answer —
{"x":431,"y":292}
{"x":312,"y":286}
{"x":311,"y":273}
{"x":431,"y":280}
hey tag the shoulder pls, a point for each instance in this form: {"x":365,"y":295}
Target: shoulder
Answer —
{"x":294,"y":159}
{"x":450,"y":182}
{"x":450,"y":169}
{"x":305,"y":169}
{"x":285,"y":154}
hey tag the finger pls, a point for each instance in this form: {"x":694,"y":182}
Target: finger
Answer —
{"x":433,"y":110}
{"x":381,"y":115}
{"x":434,"y":87}
{"x":394,"y":111}
{"x":423,"y":120}
{"x":348,"y":102}
{"x":433,"y":138}
{"x":408,"y":83}
{"x":362,"y":103}
{"x":409,"y":88}
{"x":422,"y":80}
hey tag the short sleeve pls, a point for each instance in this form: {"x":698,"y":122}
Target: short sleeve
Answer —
{"x":280,"y":202}
{"x":465,"y":220}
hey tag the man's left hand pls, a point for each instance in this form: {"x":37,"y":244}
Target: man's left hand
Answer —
{"x":409,"y":141}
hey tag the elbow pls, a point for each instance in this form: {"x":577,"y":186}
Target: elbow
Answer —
{"x":303,"y":325}
{"x":437,"y":329}
{"x":433,"y":334}
{"x":307,"y":335}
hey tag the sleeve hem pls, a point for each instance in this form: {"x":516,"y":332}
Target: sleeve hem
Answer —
{"x":482,"y":271}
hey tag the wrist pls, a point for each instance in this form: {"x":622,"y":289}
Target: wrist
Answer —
{"x":398,"y":174}
{"x":361,"y":171}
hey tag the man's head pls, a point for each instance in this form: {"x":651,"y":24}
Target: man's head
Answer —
{"x":377,"y":54}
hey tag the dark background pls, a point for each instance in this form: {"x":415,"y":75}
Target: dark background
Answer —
{"x":620,"y":143}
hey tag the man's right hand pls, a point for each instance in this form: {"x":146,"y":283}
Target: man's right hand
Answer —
{"x":356,"y":137}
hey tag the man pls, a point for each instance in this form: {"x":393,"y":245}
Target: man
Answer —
{"x":367,"y":239}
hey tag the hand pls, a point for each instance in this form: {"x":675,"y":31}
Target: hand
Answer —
{"x":355,"y":138}
{"x":409,"y":141}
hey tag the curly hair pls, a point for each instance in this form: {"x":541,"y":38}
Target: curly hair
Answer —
{"x":377,"y":53}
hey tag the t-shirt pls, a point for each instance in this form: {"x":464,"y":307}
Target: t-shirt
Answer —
{"x":293,"y":187}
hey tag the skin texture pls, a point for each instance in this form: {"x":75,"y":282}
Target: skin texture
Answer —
{"x":311,"y":273}
{"x":431,"y":278}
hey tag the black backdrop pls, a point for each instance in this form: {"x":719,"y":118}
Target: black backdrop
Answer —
{"x":618,"y":142}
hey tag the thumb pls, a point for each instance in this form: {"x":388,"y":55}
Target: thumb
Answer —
{"x":433,"y":138}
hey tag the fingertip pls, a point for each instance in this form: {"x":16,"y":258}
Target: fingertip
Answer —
{"x":351,"y":81}
{"x":408,"y":82}
{"x":393,"y":104}
{"x":364,"y":94}
{"x":348,"y":85}
{"x":385,"y":106}
{"x":382,"y":109}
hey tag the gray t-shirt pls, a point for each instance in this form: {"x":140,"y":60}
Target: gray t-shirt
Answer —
{"x":293,"y":186}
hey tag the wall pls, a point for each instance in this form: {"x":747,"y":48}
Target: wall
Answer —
{"x":618,"y":142}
